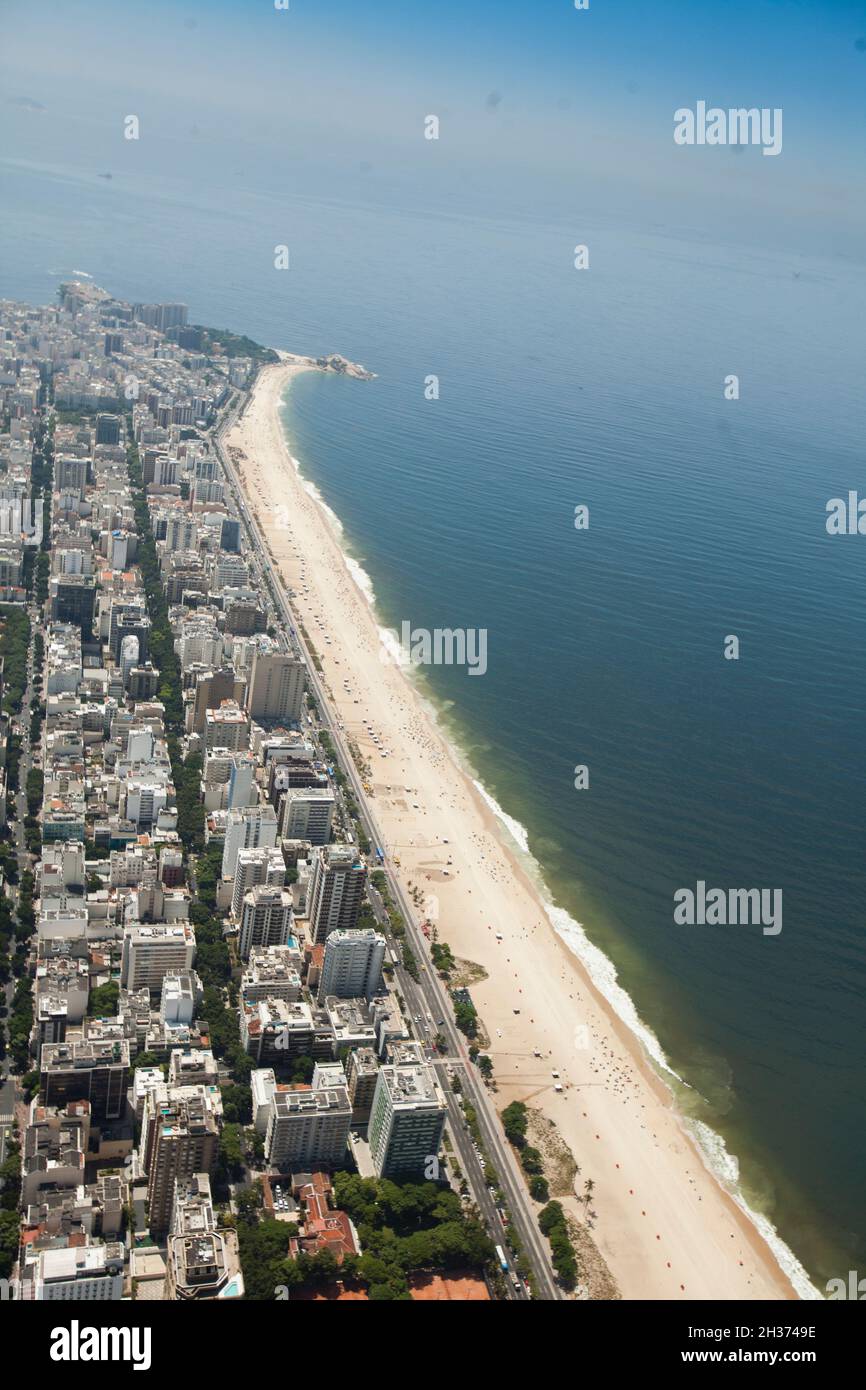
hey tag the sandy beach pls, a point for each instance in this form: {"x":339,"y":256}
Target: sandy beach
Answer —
{"x":663,"y":1223}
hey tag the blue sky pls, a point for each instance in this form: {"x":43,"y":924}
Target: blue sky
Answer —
{"x":540,"y":105}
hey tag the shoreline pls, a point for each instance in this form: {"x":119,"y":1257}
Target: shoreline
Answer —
{"x":666,"y":1225}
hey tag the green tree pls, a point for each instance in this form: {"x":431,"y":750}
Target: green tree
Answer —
{"x":514,"y":1121}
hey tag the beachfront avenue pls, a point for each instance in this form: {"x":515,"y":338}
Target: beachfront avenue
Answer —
{"x":425,"y":991}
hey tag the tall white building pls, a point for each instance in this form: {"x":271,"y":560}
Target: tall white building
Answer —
{"x":263,"y":1084}
{"x":152,"y":952}
{"x":308,"y":1128}
{"x":227,"y":727}
{"x":229,"y":779}
{"x":276,"y":688}
{"x":336,"y":891}
{"x":242,"y":789}
{"x":203,"y":645}
{"x":180,"y":997}
{"x":406,"y":1120}
{"x":144,"y":801}
{"x":202,"y":1261}
{"x":129,"y":651}
{"x":247,"y":827}
{"x":181,"y":532}
{"x":254,"y":867}
{"x":353,"y":964}
{"x":273,"y":972}
{"x":62,"y":865}
{"x":230,"y":571}
{"x":307,"y":813}
{"x":266,"y":919}
{"x":118,"y":550}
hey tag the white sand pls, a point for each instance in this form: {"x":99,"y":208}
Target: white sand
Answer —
{"x":664,"y":1224}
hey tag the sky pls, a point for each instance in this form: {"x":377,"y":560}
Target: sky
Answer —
{"x":544,"y":110}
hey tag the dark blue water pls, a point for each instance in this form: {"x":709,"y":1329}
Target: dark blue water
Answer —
{"x":605,"y":646}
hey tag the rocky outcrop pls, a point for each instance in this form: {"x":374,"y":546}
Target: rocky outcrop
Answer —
{"x":335,"y":363}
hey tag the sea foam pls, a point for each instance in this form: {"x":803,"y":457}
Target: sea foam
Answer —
{"x":711,"y":1146}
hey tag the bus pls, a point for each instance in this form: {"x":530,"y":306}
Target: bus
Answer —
{"x":500,"y":1255}
{"x":379,"y":855}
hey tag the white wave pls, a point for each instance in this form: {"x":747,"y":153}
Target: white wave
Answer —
{"x":357,"y":571}
{"x":312,"y":491}
{"x":722,"y":1164}
{"x":602,"y":972}
{"x":517,"y":831}
{"x":362,"y":579}
{"x":725,"y":1166}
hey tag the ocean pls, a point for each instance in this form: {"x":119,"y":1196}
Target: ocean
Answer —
{"x":603,"y":388}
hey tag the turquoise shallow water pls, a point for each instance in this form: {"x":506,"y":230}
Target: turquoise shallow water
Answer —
{"x":605,"y":647}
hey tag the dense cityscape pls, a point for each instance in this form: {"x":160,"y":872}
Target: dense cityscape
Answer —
{"x":238,"y":1062}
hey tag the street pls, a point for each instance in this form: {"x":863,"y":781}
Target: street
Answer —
{"x":427,"y":998}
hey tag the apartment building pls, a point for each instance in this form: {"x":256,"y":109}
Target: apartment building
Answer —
{"x":151,"y":952}
{"x":406,"y":1120}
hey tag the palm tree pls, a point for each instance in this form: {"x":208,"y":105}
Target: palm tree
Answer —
{"x":587,"y":1191}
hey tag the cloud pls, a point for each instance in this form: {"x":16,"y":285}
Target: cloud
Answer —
{"x":28,"y":103}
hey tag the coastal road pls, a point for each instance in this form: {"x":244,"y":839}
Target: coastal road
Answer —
{"x":426,"y":1027}
{"x":429,"y":988}
{"x":422,"y":1017}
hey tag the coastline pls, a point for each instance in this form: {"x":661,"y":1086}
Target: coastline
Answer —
{"x":666,"y":1226}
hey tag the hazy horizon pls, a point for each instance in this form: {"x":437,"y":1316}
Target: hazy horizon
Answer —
{"x":543,"y":110}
